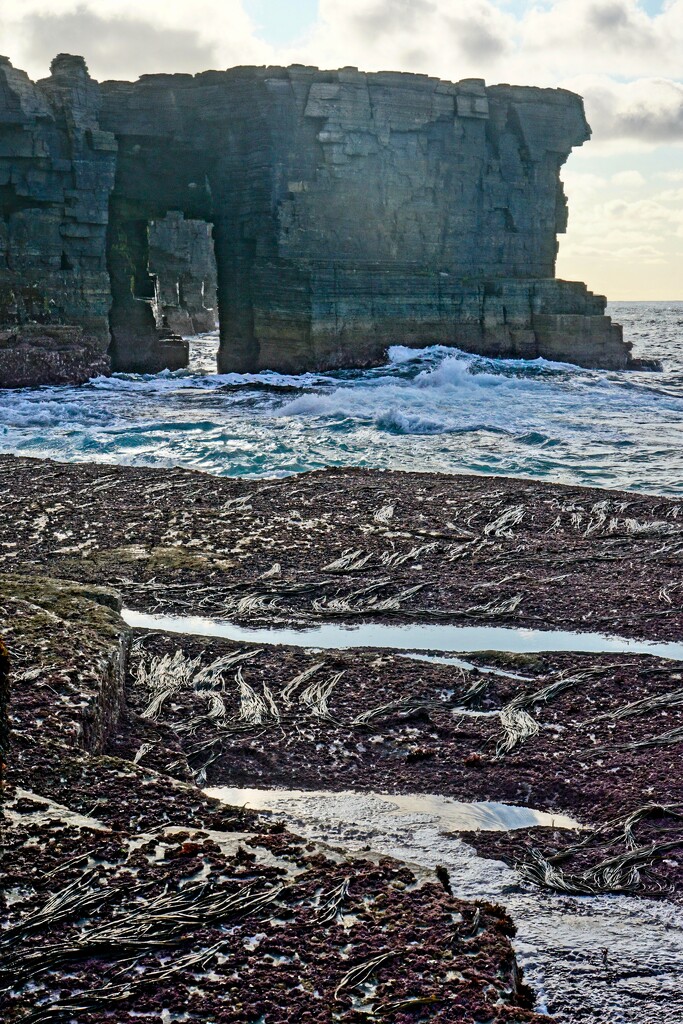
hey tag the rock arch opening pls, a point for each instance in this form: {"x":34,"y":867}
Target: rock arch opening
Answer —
{"x":347,"y":211}
{"x":164,"y":288}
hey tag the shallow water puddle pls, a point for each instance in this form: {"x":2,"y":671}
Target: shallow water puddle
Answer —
{"x":417,"y":636}
{"x":603,"y":960}
{"x":437,"y":659}
{"x":451,"y":814}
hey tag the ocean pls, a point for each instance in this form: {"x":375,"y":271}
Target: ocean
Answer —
{"x":434,"y":409}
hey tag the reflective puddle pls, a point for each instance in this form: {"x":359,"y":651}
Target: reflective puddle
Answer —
{"x":349,"y":806}
{"x":413,"y":637}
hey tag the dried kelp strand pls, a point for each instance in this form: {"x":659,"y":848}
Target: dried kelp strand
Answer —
{"x":317,"y":694}
{"x":216,"y":710}
{"x":556,"y":687}
{"x":619,"y":874}
{"x":357,"y":975}
{"x":595,"y":523}
{"x":258,"y":601}
{"x":349,"y":561}
{"x":74,"y":900}
{"x":504,"y":524}
{"x":288,"y":691}
{"x":212,"y":675}
{"x":497,"y":607}
{"x":653,"y":528}
{"x":647,"y":813}
{"x":331,"y":903}
{"x":395,"y":707}
{"x":392,"y":559}
{"x":351,"y":603}
{"x":153,"y":709}
{"x":253,"y":708}
{"x":664,"y":739}
{"x":663,"y":701}
{"x":270,"y":703}
{"x":518,"y":726}
{"x":109,"y":994}
{"x":411,"y":1003}
{"x":162,"y":677}
{"x":142,"y":751}
{"x":385,"y":514}
{"x":666,"y":592}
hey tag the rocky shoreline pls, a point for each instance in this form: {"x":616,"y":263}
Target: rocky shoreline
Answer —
{"x":127,"y":890}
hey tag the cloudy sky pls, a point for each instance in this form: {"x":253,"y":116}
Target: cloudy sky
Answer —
{"x":624,"y":56}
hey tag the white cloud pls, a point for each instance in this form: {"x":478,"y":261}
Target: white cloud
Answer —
{"x":553,"y":40}
{"x":602,"y":36}
{"x":621,"y":244}
{"x":646,"y":111}
{"x":628,"y":179}
{"x":124,"y":39}
{"x":672,"y":195}
{"x":115,"y":47}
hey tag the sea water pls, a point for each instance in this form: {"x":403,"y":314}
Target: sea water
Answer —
{"x":434,"y":409}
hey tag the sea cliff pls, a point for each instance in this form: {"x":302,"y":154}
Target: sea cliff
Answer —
{"x":330,"y":213}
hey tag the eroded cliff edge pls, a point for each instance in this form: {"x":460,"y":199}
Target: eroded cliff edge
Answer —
{"x":348,"y":212}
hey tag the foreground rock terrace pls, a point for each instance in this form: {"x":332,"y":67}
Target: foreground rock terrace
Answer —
{"x":105,"y":765}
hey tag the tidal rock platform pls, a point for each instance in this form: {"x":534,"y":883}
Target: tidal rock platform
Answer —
{"x":128,"y":890}
{"x":330,"y":213}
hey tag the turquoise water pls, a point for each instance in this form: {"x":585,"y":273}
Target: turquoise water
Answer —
{"x":433,"y":409}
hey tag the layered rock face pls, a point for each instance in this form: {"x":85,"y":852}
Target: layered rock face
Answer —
{"x":347,"y":212}
{"x":57,"y":170}
{"x":355,"y":211}
{"x":182,"y":259}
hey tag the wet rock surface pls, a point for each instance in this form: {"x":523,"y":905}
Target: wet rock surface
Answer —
{"x":4,"y":708}
{"x":48,"y":354}
{"x":366,"y":720}
{"x":125,"y":891}
{"x":612,"y":959}
{"x":353,"y":545}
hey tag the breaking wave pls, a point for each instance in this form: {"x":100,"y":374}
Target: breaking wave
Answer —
{"x":433,"y":409}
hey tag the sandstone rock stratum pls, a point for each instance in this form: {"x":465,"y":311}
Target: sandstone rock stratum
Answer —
{"x":342,"y":212}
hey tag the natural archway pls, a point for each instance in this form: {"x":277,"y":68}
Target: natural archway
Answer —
{"x":350,"y":212}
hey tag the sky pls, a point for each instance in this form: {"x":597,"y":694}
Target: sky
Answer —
{"x":625,"y":186}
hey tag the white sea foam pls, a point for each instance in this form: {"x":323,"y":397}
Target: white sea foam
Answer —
{"x":430,"y":409}
{"x":452,"y":393}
